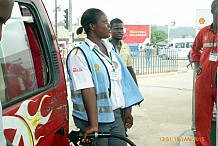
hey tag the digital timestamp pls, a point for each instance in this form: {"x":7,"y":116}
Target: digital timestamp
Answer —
{"x":178,"y":139}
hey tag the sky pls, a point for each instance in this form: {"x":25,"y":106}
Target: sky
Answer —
{"x":159,"y":12}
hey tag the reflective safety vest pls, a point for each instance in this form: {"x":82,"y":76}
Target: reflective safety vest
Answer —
{"x":101,"y":79}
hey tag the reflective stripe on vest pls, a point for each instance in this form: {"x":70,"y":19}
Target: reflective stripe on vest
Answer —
{"x":100,"y":96}
{"x":210,"y":45}
{"x":101,"y":109}
{"x":103,"y":95}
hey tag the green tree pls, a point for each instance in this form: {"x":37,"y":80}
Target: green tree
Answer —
{"x":157,"y":35}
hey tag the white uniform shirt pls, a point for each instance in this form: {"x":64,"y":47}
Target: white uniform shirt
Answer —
{"x":82,"y":77}
{"x":2,"y":136}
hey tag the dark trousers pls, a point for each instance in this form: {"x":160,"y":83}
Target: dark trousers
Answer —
{"x":116,"y":127}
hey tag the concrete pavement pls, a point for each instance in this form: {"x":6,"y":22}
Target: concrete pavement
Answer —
{"x":167,"y":110}
{"x":187,"y":138}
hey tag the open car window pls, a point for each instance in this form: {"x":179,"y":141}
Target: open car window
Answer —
{"x":23,"y":68}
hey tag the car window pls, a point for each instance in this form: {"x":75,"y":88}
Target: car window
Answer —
{"x":23,"y":68}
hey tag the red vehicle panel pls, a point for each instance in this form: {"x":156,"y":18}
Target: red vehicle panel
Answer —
{"x":33,"y":87}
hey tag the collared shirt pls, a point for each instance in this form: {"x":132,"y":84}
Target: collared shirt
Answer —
{"x":2,"y":136}
{"x":124,"y":53}
{"x":82,"y":77}
{"x":205,"y":43}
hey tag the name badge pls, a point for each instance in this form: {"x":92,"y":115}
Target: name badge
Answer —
{"x":213,"y":57}
{"x":114,"y":75}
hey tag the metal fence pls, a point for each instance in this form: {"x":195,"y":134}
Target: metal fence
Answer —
{"x":155,"y":62}
{"x":148,"y":63}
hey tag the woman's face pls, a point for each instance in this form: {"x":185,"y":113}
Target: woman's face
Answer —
{"x":102,"y":28}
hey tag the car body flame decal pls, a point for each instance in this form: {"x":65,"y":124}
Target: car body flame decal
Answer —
{"x":25,"y":124}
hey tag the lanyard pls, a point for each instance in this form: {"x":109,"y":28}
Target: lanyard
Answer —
{"x":109,"y":61}
{"x":214,"y":37}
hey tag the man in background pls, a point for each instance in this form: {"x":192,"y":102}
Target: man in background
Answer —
{"x":189,"y":60}
{"x":5,"y":13}
{"x":148,"y":53}
{"x":117,"y":32}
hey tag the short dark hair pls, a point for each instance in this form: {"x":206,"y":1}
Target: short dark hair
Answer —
{"x":88,"y":17}
{"x":214,"y":4}
{"x":115,"y":20}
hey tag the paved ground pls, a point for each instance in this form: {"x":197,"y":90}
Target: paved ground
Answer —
{"x":167,"y":110}
{"x":166,"y":113}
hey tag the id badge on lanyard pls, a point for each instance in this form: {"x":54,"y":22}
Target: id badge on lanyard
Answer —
{"x":114,"y":75}
{"x":114,"y":72}
{"x":213,"y":57}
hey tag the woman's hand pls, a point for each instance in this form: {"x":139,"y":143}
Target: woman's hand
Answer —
{"x":89,"y":130}
{"x":128,"y":118}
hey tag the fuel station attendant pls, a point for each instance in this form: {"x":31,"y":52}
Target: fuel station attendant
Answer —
{"x":204,"y":54}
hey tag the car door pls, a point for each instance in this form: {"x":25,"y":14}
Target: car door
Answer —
{"x":32,"y":83}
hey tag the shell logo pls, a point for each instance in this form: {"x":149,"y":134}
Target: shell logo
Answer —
{"x":96,"y":67}
{"x":173,"y":23}
{"x":201,"y":20}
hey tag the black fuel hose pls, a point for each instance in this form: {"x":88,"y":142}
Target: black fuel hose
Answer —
{"x":76,"y":136}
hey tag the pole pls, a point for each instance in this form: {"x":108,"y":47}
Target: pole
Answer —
{"x":70,"y":16}
{"x":168,"y":33}
{"x":70,"y":22}
{"x":56,"y":19}
{"x":193,"y":102}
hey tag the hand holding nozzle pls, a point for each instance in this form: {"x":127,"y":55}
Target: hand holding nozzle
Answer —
{"x":76,"y":136}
